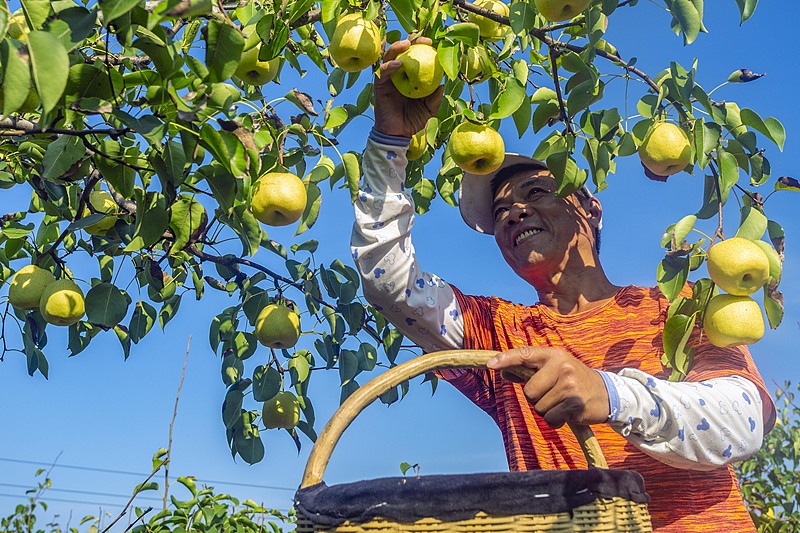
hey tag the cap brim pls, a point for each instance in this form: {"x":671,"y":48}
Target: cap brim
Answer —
{"x":475,"y":194}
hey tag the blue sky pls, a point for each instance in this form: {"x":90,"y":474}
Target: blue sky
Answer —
{"x":101,"y":412}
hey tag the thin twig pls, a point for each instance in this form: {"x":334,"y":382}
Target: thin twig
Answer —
{"x":719,"y":233}
{"x":563,"y":115}
{"x":135,"y":493}
{"x":172,"y":422}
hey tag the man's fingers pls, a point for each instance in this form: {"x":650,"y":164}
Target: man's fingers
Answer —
{"x":396,"y":49}
{"x":389,"y":68}
{"x":527,"y":356}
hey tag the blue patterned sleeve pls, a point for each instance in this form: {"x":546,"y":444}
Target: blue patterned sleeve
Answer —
{"x":693,"y":425}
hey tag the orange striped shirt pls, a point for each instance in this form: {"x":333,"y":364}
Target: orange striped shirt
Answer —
{"x":625,"y":332}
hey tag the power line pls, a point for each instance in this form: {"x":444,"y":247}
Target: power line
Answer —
{"x":139,"y":474}
{"x":88,"y":492}
{"x":48,"y":499}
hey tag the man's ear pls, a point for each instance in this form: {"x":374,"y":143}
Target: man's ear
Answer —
{"x":594,"y":210}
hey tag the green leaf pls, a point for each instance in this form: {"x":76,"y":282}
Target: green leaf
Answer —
{"x":49,"y":66}
{"x":299,"y":367}
{"x":672,"y":275}
{"x":61,"y":155}
{"x":224,"y":48}
{"x":16,"y":77}
{"x":124,"y":339}
{"x":336,"y":117}
{"x":752,"y":224}
{"x":105,"y":305}
{"x":266,"y":383}
{"x":352,"y":172}
{"x":151,"y":220}
{"x":522,"y":117}
{"x":568,"y":176}
{"x":770,"y":127}
{"x":348,"y":366}
{"x":522,"y":17}
{"x":773,"y":305}
{"x":113,"y":9}
{"x":35,"y":11}
{"x":746,"y":8}
{"x":509,"y":99}
{"x":404,"y":11}
{"x":313,"y":203}
{"x":465,"y":32}
{"x":677,"y":331}
{"x":688,"y":18}
{"x":683,"y":227}
{"x":144,"y":316}
{"x":187,"y":216}
{"x":448,"y":57}
{"x":706,"y":140}
{"x":232,"y":407}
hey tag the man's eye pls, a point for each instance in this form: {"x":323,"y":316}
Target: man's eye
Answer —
{"x":499,"y":211}
{"x":535,"y":191}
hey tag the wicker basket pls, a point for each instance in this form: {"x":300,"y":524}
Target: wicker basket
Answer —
{"x":596,"y":499}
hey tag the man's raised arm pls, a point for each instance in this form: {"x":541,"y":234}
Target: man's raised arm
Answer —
{"x":419,"y":304}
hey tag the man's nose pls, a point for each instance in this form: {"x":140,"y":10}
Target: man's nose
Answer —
{"x":517,"y":212}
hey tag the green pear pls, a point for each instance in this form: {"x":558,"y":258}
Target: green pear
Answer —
{"x":490,"y":30}
{"x":27,"y":285}
{"x":279,"y":198}
{"x":277,"y":327}
{"x":355,"y":43}
{"x":420,"y":73}
{"x":733,"y":320}
{"x":738,"y":266}
{"x":476,"y":148}
{"x":666,"y":149}
{"x":560,"y":10}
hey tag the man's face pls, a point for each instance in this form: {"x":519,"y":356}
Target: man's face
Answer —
{"x":537,"y":232}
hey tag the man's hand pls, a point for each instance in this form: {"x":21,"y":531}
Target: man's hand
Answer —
{"x":396,"y":114}
{"x":563,"y":389}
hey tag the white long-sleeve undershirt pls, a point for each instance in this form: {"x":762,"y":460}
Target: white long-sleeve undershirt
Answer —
{"x":698,"y":425}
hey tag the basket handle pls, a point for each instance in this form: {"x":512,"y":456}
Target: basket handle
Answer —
{"x":365,"y":395}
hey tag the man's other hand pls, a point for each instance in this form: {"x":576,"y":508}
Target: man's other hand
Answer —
{"x":396,"y":114}
{"x":562,"y":390}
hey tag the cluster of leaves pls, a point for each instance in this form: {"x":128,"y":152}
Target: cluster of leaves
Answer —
{"x":770,"y":480}
{"x":204,"y":509}
{"x":141,"y":99}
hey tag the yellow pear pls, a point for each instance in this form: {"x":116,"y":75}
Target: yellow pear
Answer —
{"x":27,"y":285}
{"x":558,"y":10}
{"x":420,"y":73}
{"x":102,"y":202}
{"x":733,"y":320}
{"x":62,"y":303}
{"x":281,"y":411}
{"x":738,"y":266}
{"x":665,"y":150}
{"x":476,"y":148}
{"x":279,"y":198}
{"x":253,"y":71}
{"x":417,"y":146}
{"x":355,"y":43}
{"x":278,"y":327}
{"x":490,"y":30}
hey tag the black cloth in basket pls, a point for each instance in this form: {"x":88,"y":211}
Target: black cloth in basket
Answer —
{"x":460,"y":497}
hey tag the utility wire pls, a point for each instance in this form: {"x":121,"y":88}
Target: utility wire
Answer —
{"x":48,"y":499}
{"x":75,"y":491}
{"x":139,"y":474}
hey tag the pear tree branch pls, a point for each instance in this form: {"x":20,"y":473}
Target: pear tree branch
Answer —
{"x":232,"y":262}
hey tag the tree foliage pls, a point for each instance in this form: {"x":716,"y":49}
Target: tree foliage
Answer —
{"x":140,"y":99}
{"x":770,"y":479}
{"x":195,"y":509}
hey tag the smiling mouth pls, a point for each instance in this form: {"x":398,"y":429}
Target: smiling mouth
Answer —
{"x":525,"y":234}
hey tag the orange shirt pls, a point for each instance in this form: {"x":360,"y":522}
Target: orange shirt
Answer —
{"x":625,"y":332}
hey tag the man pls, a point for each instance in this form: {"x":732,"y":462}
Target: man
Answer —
{"x":596,"y":347}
